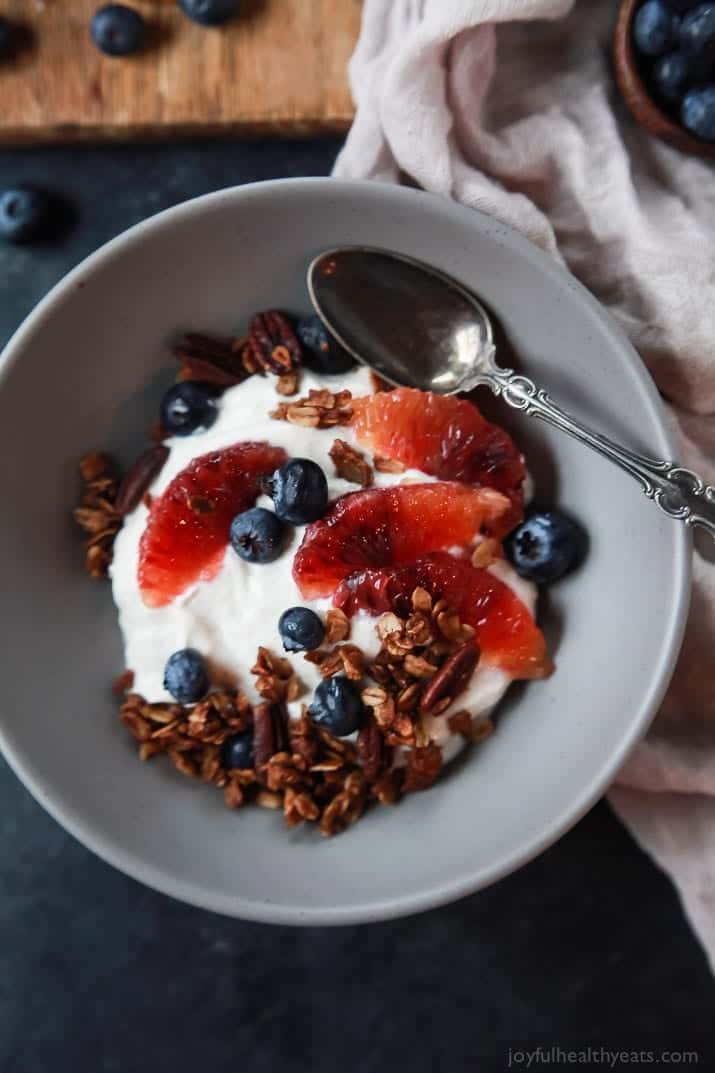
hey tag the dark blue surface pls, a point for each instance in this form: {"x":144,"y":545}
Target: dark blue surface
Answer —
{"x":584,"y":947}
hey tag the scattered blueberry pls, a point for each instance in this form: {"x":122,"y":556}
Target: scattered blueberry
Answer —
{"x":655,"y":28}
{"x":671,"y":75}
{"x":697,"y":32}
{"x":300,"y":629}
{"x":257,"y":535}
{"x":7,"y":38}
{"x":299,"y":491}
{"x":185,"y":676}
{"x":210,"y":12}
{"x":188,"y":406}
{"x":322,"y":353}
{"x":24,"y":214}
{"x":117,"y":30}
{"x":337,"y":706}
{"x":698,"y":112}
{"x":237,"y":751}
{"x":545,"y":546}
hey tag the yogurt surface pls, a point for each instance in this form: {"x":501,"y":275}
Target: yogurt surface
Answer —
{"x":228,"y":617}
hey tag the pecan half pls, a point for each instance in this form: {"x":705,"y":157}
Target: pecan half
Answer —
{"x":472,"y":730}
{"x":451,"y":678}
{"x":422,"y":768}
{"x":371,"y":749}
{"x":351,"y":464}
{"x":388,"y":788}
{"x":215,"y":361}
{"x":137,"y":480}
{"x":272,"y":343}
{"x":270,"y":733}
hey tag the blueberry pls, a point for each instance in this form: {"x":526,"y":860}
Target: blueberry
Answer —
{"x":117,"y":30}
{"x":188,"y":406}
{"x":697,"y":32}
{"x":257,"y":535}
{"x":210,"y":12}
{"x":24,"y":214}
{"x":655,"y":28}
{"x":185,"y":676}
{"x":697,"y":112}
{"x":321,"y":352}
{"x":671,"y":75}
{"x":545,"y":546}
{"x":337,"y":706}
{"x":300,"y":629}
{"x":237,"y":751}
{"x":299,"y":491}
{"x":681,"y":6}
{"x":7,"y":38}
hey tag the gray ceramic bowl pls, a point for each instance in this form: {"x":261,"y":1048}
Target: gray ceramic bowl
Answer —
{"x":86,"y":370}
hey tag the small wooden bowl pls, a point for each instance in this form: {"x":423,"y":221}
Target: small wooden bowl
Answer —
{"x":636,"y":95}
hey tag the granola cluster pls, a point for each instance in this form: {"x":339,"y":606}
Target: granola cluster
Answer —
{"x":318,"y":409}
{"x":299,"y":767}
{"x":425,"y":662}
{"x":351,"y":464}
{"x":97,"y":513}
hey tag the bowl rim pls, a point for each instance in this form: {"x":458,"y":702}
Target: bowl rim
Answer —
{"x":132,"y":863}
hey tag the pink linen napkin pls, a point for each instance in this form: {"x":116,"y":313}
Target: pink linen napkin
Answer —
{"x":509,"y":106}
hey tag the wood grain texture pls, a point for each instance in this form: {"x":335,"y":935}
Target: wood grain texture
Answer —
{"x":640,"y":103}
{"x":280,"y":66}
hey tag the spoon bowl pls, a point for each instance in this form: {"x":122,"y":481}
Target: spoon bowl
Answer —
{"x":414,"y":326}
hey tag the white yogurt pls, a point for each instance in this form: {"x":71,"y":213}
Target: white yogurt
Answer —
{"x":228,"y":617}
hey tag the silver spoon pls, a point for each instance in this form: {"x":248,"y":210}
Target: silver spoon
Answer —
{"x":417,"y":327}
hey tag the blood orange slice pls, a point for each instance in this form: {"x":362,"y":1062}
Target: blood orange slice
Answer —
{"x":384,"y":527}
{"x":188,"y":527}
{"x":444,"y":436}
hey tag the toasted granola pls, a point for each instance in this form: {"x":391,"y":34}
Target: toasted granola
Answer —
{"x":275,"y":678}
{"x":351,"y":464}
{"x":319,"y":409}
{"x":97,"y":513}
{"x":343,"y":659}
{"x":300,"y":767}
{"x":337,"y":626}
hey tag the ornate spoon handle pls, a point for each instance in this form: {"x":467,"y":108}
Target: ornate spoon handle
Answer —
{"x":679,"y":492}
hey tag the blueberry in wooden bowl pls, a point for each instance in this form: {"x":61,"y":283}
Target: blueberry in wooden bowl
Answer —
{"x":664,"y":58}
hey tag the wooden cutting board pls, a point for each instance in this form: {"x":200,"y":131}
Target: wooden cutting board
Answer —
{"x":279,"y":67}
